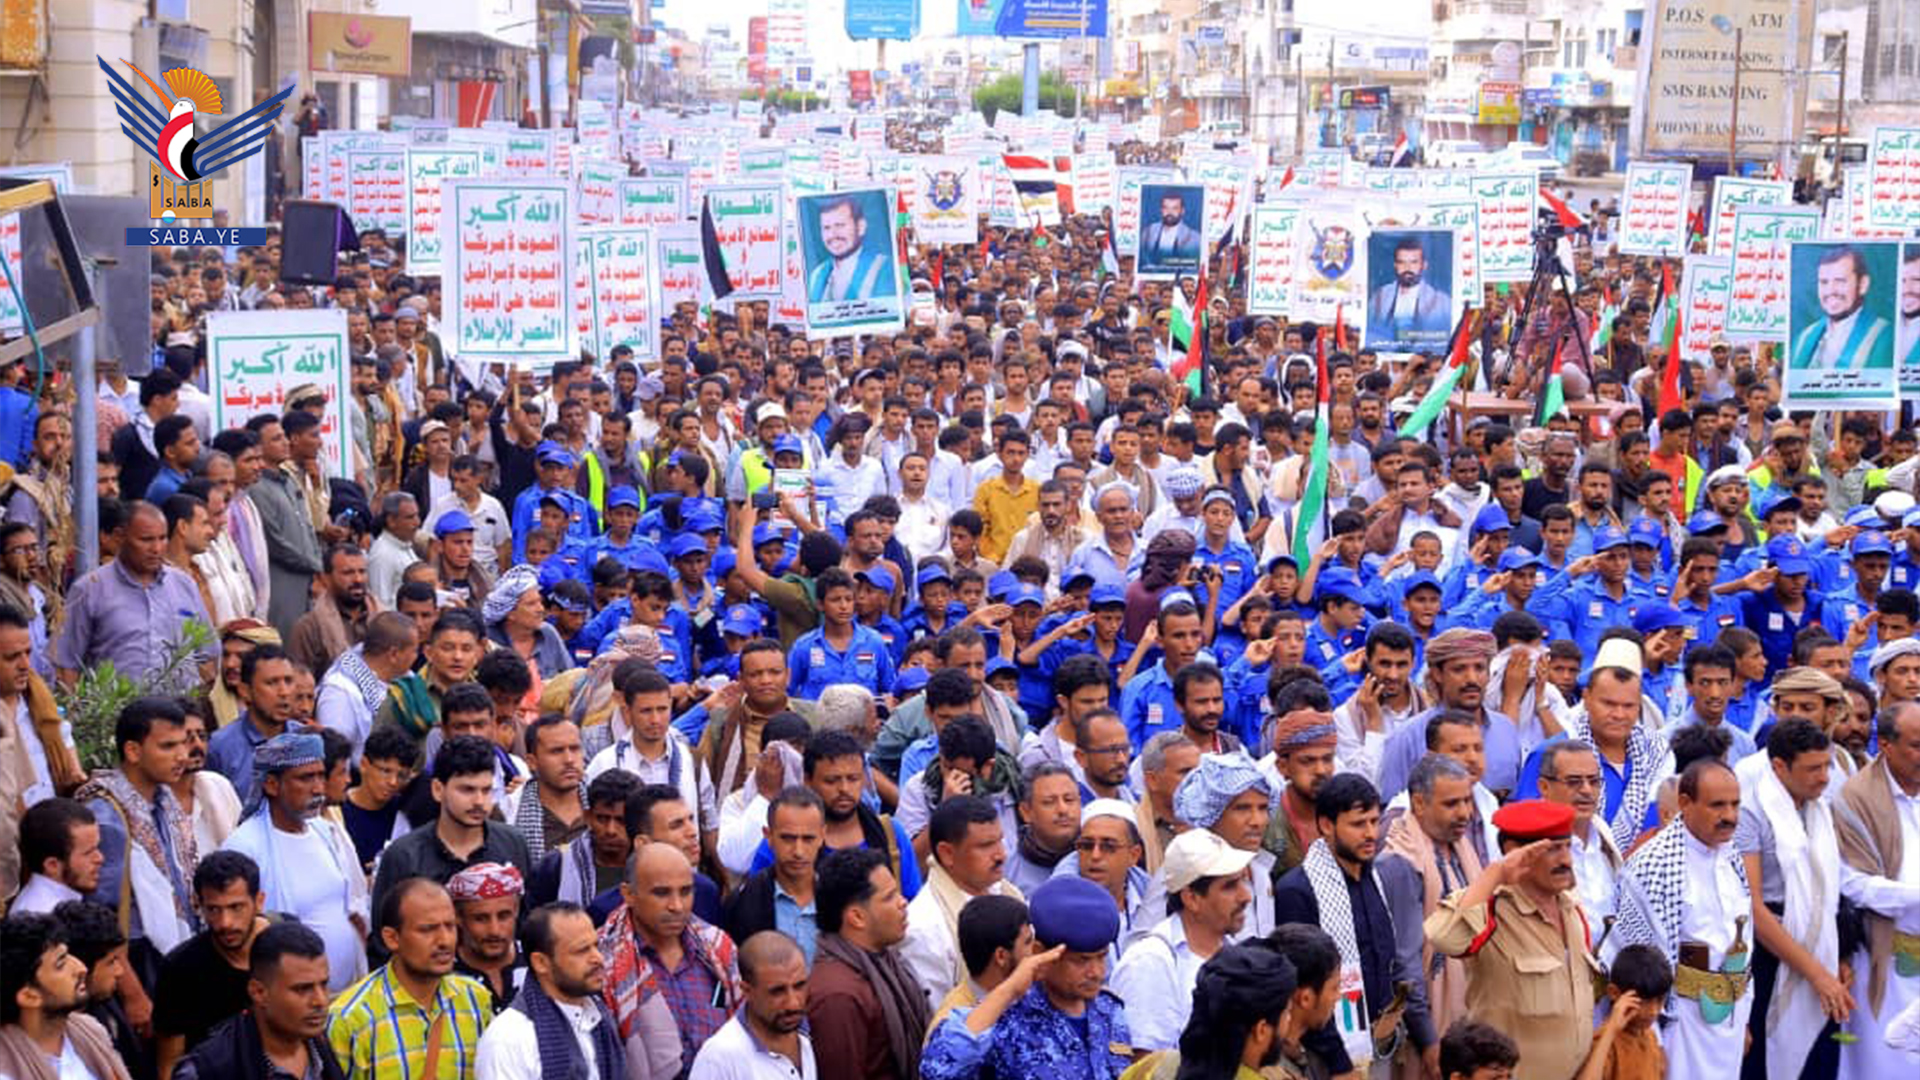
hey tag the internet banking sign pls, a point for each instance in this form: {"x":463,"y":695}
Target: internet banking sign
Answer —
{"x":179,"y":184}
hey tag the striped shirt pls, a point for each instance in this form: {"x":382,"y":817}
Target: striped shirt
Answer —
{"x":380,"y":1033}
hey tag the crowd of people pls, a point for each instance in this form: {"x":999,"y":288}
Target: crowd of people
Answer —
{"x":964,"y":702}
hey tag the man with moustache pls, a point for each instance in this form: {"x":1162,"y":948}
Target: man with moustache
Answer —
{"x":558,"y":1019}
{"x":1433,"y":838}
{"x":307,"y":863}
{"x":867,"y":1014}
{"x":1457,"y":661}
{"x":773,"y":972}
{"x":1209,"y":891}
{"x":1570,"y":775}
{"x":1908,"y":349}
{"x":43,"y":988}
{"x":1519,"y":929}
{"x":486,"y":904}
{"x":379,"y":1028}
{"x":283,"y":1031}
{"x":1685,"y":892}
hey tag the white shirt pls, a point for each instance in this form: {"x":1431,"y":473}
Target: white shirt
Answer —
{"x":734,"y":1054}
{"x":510,"y":1048}
{"x":1594,"y":874}
{"x":696,"y":785}
{"x":743,"y":821}
{"x":320,"y":894}
{"x":1714,"y":898}
{"x":42,"y":894}
{"x":930,"y":950}
{"x":340,"y":705}
{"x":852,"y":484}
{"x":1899,"y":899}
{"x":388,"y":558}
{"x":922,"y":528}
{"x":492,"y":528}
{"x":1155,"y":977}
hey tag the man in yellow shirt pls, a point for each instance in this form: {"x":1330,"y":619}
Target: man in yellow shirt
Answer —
{"x":1004,"y":502}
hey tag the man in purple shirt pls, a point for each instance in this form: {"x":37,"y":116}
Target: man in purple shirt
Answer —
{"x":131,"y":611}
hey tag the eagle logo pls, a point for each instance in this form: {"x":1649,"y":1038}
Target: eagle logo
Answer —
{"x":169,"y":136}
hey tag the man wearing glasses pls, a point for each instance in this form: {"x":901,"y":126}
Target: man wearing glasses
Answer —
{"x":1570,"y":776}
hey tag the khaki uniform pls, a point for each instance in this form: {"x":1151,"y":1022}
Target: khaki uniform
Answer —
{"x":1524,"y":978}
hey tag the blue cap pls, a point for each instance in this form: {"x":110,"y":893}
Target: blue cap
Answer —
{"x":767,"y":533}
{"x":998,"y":664}
{"x":703,"y":520}
{"x":1075,"y":576}
{"x":1515,"y":558}
{"x":742,"y":619}
{"x":1340,"y":583}
{"x":1703,"y":522}
{"x":1283,"y":558}
{"x":1107,"y":596}
{"x":1073,"y":911}
{"x":1871,"y":542}
{"x":1001,"y":584}
{"x":1864,"y":514}
{"x":789,"y":444}
{"x":1028,"y":594}
{"x":453,"y":521}
{"x":1646,"y":532}
{"x":1912,"y":519}
{"x":1777,"y":502}
{"x":560,"y":600}
{"x":685,"y":544}
{"x":1419,"y":579}
{"x":877,"y":576}
{"x":552,"y":453}
{"x":649,"y":558}
{"x":1606,"y":538}
{"x":556,"y":498}
{"x":910,"y":681}
{"x":1491,"y":518}
{"x":1788,"y":555}
{"x":1653,"y":618}
{"x":723,"y":563}
{"x":623,"y":496}
{"x":931,"y":573}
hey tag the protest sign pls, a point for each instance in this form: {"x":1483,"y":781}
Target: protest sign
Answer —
{"x":747,"y":221}
{"x":1653,"y":209}
{"x":427,"y":167}
{"x":1392,"y":183}
{"x":762,"y":162}
{"x":850,"y":259}
{"x":655,"y":201}
{"x":582,"y":292}
{"x":1229,"y":195}
{"x":1329,"y":277}
{"x":1893,"y":177}
{"x":509,"y":259}
{"x":597,"y":192}
{"x":313,"y":168}
{"x":377,"y":190}
{"x":1320,"y":168}
{"x":1706,"y":288}
{"x":1411,"y":290}
{"x":529,"y":152}
{"x":625,"y":310}
{"x":945,"y":206}
{"x":1003,"y":205}
{"x":1906,"y":350}
{"x":1272,"y":258}
{"x":1841,"y":319}
{"x":1126,"y":202}
{"x":1508,"y":202}
{"x":255,"y":357}
{"x":1849,"y":211}
{"x":1170,"y":242}
{"x":1763,"y":238}
{"x":1729,"y":195}
{"x":1093,"y":183}
{"x":677,"y":267}
{"x":1461,"y":216}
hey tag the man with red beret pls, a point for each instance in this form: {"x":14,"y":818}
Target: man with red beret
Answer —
{"x":1519,"y":928}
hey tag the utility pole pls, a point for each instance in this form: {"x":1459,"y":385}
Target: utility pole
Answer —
{"x":1300,"y":103}
{"x":1840,"y":106}
{"x":1332,"y":122}
{"x":1733,"y":128}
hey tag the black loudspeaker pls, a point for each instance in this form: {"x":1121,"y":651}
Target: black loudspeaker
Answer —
{"x":312,"y":236}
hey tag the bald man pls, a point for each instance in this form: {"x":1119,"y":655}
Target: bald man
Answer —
{"x":774,"y":972}
{"x":656,"y":928}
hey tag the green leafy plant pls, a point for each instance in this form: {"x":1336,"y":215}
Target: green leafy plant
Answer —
{"x":1004,"y":93}
{"x":92,"y":705}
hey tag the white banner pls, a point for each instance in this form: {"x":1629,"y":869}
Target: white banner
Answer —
{"x":1653,"y":209}
{"x":255,"y":357}
{"x":509,"y":279}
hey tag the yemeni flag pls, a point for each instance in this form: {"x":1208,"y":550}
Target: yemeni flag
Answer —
{"x":1063,"y":183}
{"x":1431,"y":406}
{"x":1402,"y":152}
{"x":1562,"y":213}
{"x":711,"y":256}
{"x":1190,"y":368}
{"x":1553,"y":400}
{"x":1313,"y":494}
{"x":1036,"y":186}
{"x":1286,"y":179}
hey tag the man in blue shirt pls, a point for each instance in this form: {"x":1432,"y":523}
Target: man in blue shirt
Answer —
{"x":1457,"y":677}
{"x":1581,"y":608}
{"x":839,"y":650}
{"x":554,"y":465}
{"x":1709,"y":670}
{"x":1147,"y":703}
{"x":1663,"y":632}
{"x":1872,"y":558}
{"x":1707,"y":612}
{"x":1777,"y":604}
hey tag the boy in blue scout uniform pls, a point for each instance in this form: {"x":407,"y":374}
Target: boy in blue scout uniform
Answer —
{"x":1644,"y":538}
{"x":1872,"y":557}
{"x":741,"y":624}
{"x":1341,"y":625}
{"x":615,"y":615}
{"x":1489,"y":536}
{"x":1235,"y":561}
{"x":1905,"y":572}
{"x":554,"y":465}
{"x":1108,"y":606}
{"x":935,"y":593}
{"x":1479,"y":608}
{"x":839,"y":650}
{"x":1662,"y":629}
{"x":1778,"y":604}
{"x":873,"y":591}
{"x":1703,"y":566}
{"x":619,"y":542}
{"x":1581,"y":607}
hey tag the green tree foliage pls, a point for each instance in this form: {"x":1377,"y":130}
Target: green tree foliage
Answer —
{"x":1004,"y":93}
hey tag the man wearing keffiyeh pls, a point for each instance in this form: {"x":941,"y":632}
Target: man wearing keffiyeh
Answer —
{"x":1685,"y":892}
{"x":1458,"y":665}
{"x":486,"y":901}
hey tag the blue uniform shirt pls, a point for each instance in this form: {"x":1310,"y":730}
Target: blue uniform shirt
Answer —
{"x":1705,"y":623}
{"x":815,"y":665}
{"x":1581,"y":610}
{"x":1147,"y":705}
{"x":583,"y":522}
{"x":1035,"y":1041}
{"x":1761,"y":613}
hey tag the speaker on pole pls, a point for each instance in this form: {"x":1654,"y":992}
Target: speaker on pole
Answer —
{"x":312,"y":236}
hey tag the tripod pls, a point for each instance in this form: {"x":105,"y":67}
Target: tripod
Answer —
{"x":1547,"y":272}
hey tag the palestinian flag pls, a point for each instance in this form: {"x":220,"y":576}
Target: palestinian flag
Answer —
{"x":1553,"y":399}
{"x":1431,"y":406}
{"x":1180,"y":326}
{"x":1666,"y":308}
{"x":1036,"y":186}
{"x":1670,"y":378}
{"x":1313,"y":494}
{"x":711,"y":256}
{"x":1190,"y":368}
{"x":1109,"y":259}
{"x":1603,"y":328}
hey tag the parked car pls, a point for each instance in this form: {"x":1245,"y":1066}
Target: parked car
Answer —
{"x":1526,"y":156}
{"x":1454,"y":153}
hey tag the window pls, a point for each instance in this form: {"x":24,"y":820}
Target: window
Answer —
{"x":1830,"y":47}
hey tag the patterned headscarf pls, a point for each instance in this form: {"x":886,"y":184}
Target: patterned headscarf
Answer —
{"x":1458,"y":643}
{"x":507,"y":592}
{"x":484,"y":881}
{"x":1302,"y":728}
{"x":1218,"y":780}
